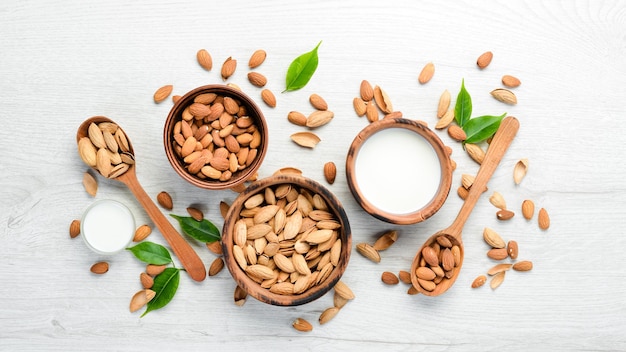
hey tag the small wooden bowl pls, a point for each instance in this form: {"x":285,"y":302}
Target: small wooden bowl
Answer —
{"x":419,"y":212}
{"x":254,"y":288}
{"x":175,"y":115}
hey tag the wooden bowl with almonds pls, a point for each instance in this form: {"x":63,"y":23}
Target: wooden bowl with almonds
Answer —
{"x":286,"y":240}
{"x":215,"y":137}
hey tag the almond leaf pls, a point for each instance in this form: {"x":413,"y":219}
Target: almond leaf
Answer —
{"x":301,"y":70}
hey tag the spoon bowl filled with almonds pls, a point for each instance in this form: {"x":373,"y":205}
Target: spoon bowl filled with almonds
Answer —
{"x":215,"y":137}
{"x":286,"y":240}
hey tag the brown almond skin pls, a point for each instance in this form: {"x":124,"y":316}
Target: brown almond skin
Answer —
{"x":100,"y":268}
{"x":390,"y":278}
{"x":74,"y":228}
{"x":165,"y":200}
{"x":498,"y":253}
{"x":512,"y":249}
{"x":484,"y":59}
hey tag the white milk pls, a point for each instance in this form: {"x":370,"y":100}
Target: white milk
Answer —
{"x":107,"y":226}
{"x":397,"y":170}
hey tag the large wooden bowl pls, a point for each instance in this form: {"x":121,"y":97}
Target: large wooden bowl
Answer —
{"x":175,"y":115}
{"x":253,"y":287}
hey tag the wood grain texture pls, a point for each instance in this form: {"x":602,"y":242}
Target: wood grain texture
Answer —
{"x":59,"y":67}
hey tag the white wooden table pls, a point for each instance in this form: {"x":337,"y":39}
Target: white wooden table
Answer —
{"x":64,"y":61}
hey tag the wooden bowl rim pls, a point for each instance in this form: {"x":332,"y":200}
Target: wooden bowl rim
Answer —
{"x":253,"y":288}
{"x":440,"y":196}
{"x":254,"y":112}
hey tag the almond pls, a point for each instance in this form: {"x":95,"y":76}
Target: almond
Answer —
{"x":455,"y":132}
{"x":484,"y":59}
{"x":165,"y":200}
{"x":524,"y":265}
{"x":330,"y":172}
{"x":146,"y":280}
{"x":462,"y":192}
{"x":366,"y":91}
{"x":140,"y":299}
{"x":240,"y":296}
{"x":228,"y":68}
{"x":520,"y":170}
{"x":427,"y":73}
{"x":426,"y":284}
{"x":543,"y":219}
{"x":319,"y":118}
{"x":404,"y":276}
{"x":87,"y":151}
{"x":497,"y":280}
{"x":224,"y":208}
{"x":371,"y":112}
{"x":510,"y":81}
{"x":268,"y":98}
{"x":512,"y":249}
{"x":479,"y":281}
{"x":297,"y":118}
{"x":328,"y":314}
{"x":339,"y":301}
{"x":389,"y":278}
{"x":497,"y":253}
{"x":302,"y":325}
{"x":257,"y":58}
{"x":100,"y":268}
{"x":195,"y":213}
{"x":216,"y":266}
{"x":444,"y":103}
{"x":528,"y":209}
{"x":90,"y":184}
{"x":305,"y":139}
{"x":154,"y":270}
{"x":318,"y":102}
{"x":504,"y":95}
{"x":467,"y":180}
{"x":343,"y":290}
{"x":368,"y":252}
{"x":445,"y":120}
{"x":382,"y":100}
{"x":493,"y":239}
{"x":257,"y":79}
{"x":497,"y":200}
{"x":447,"y":260}
{"x":498,"y":268}
{"x":359,"y":106}
{"x":162,"y":93}
{"x":430,"y":256}
{"x":74,"y":228}
{"x":141,"y":233}
{"x":504,"y":214}
{"x":425,"y":273}
{"x":204,"y":59}
{"x":386,"y":240}
{"x":215,"y":247}
{"x":475,"y":152}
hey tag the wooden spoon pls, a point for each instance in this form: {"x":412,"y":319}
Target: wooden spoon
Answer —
{"x":501,"y":141}
{"x":187,"y":256}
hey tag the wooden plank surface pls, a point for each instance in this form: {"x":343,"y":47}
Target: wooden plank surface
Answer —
{"x":64,"y":61}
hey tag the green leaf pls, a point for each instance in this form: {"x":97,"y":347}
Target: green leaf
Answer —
{"x":151,"y":253}
{"x":463,"y":107}
{"x":165,"y":286}
{"x":480,"y":128}
{"x":203,"y":231}
{"x":301,"y":70}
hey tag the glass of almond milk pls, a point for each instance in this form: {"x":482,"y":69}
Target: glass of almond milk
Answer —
{"x":107,"y":226}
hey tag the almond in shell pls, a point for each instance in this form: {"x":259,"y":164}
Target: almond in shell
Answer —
{"x":90,"y":184}
{"x":305,"y":139}
{"x":369,"y":252}
{"x":504,"y":95}
{"x":444,"y":103}
{"x":427,"y":73}
{"x":302,"y":325}
{"x":520,"y":170}
{"x":382,"y":100}
{"x":319,"y":118}
{"x":140,"y":299}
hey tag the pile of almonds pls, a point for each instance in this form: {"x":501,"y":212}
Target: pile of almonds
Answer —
{"x":107,"y":149}
{"x":286,"y":239}
{"x":215,"y":137}
{"x":438,"y":263}
{"x":371,"y":100}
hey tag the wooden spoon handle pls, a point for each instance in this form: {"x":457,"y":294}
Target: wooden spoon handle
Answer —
{"x":187,"y":256}
{"x":500,"y":143}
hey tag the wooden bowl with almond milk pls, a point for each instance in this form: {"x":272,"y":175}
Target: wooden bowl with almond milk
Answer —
{"x":399,"y":171}
{"x":286,"y":240}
